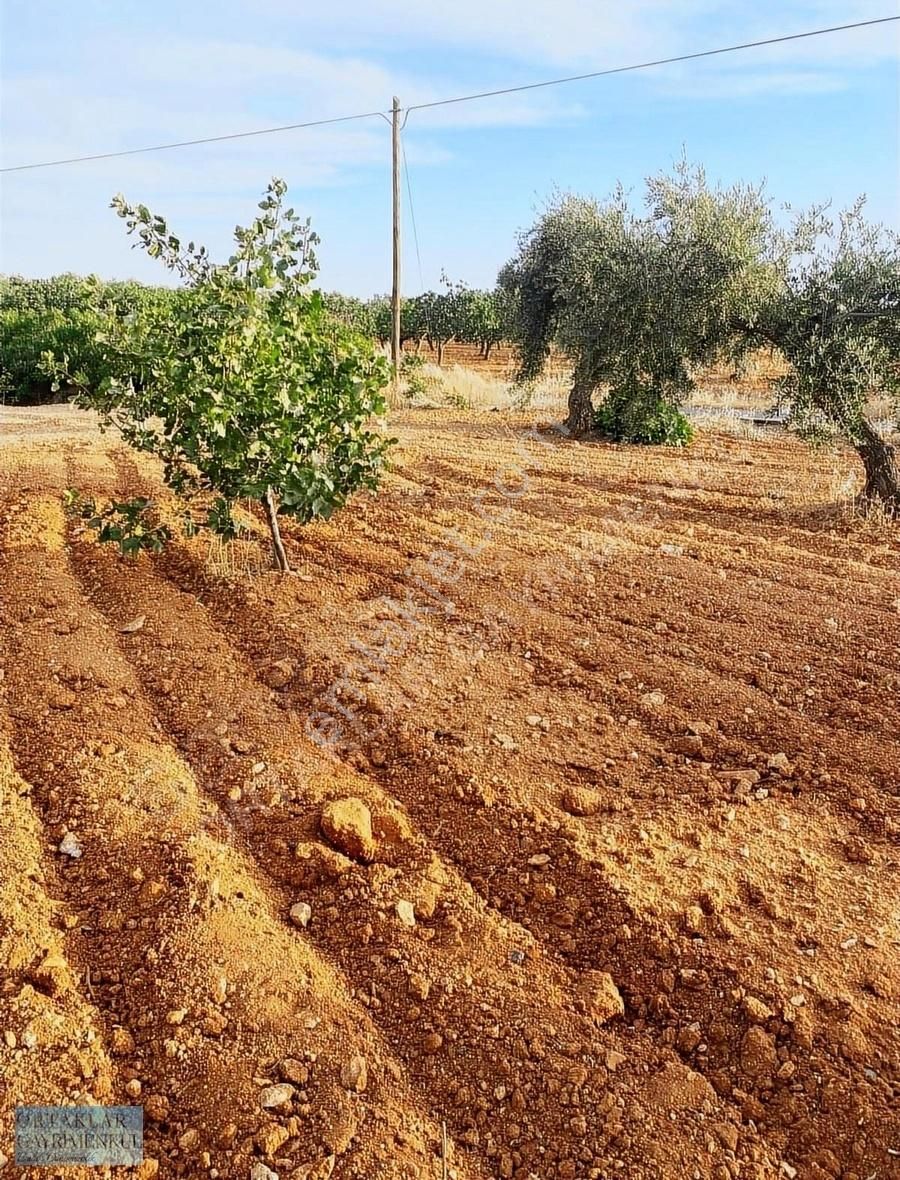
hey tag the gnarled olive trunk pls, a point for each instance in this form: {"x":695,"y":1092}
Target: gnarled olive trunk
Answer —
{"x":882,"y":466}
{"x":581,"y":408}
{"x":271,"y":508}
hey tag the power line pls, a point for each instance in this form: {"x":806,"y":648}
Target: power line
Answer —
{"x":646,"y":65}
{"x":164,"y":147}
{"x":412,"y":215}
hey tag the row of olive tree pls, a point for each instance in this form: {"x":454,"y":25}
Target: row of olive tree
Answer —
{"x":637,"y":300}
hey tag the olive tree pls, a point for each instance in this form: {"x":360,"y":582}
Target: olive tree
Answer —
{"x":246,"y":387}
{"x":835,"y":317}
{"x":632,"y":302}
{"x":638,"y":302}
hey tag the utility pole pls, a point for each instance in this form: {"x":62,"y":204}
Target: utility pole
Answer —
{"x":395,"y":290}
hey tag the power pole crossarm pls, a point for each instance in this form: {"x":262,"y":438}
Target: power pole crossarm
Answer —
{"x":395,"y":289}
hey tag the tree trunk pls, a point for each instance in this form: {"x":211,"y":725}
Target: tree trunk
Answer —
{"x":581,"y":408}
{"x":440,"y":353}
{"x":882,"y":466}
{"x":272,"y":517}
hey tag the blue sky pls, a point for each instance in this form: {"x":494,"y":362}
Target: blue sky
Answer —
{"x":818,"y":119}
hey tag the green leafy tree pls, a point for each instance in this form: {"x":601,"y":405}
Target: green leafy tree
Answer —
{"x":483,"y":319}
{"x":596,"y":282}
{"x":835,"y":317}
{"x":639,"y":301}
{"x":62,"y":315}
{"x":247,"y":387}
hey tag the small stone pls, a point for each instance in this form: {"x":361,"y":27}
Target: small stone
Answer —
{"x":505,"y":741}
{"x":10,"y":1037}
{"x":52,"y":975}
{"x":689,"y":1038}
{"x":274,"y":1096}
{"x":581,"y":801}
{"x":788,"y":1170}
{"x":189,"y":1139}
{"x":347,"y":825}
{"x":301,"y":914}
{"x":533,"y":719}
{"x":539,"y":860}
{"x":135,"y":625}
{"x":133,"y":1088}
{"x":690,"y":745}
{"x":257,"y":769}
{"x":858,"y":851}
{"x":176,"y":1016}
{"x":739,"y":777}
{"x":71,"y":846}
{"x":758,"y":1012}
{"x":419,"y":987}
{"x":694,"y":919}
{"x":392,"y":827}
{"x":214,"y":1023}
{"x":798,"y":1000}
{"x":727,"y":1134}
{"x":269,"y":1139}
{"x":759,"y":1056}
{"x":432,"y":1043}
{"x":354,"y":1074}
{"x":279,"y":673}
{"x":295,"y":1071}
{"x":156,"y":1107}
{"x":653,"y":700}
{"x":780,"y":763}
{"x":601,"y":997}
{"x":406,"y":912}
{"x":261,"y":1172}
{"x":613,"y":1060}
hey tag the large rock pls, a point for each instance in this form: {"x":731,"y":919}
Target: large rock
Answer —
{"x":601,"y":997}
{"x":347,"y":824}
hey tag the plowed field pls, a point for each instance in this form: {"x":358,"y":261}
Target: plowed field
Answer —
{"x":627,"y":726}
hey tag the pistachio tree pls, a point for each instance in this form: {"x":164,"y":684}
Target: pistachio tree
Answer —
{"x":246,"y":387}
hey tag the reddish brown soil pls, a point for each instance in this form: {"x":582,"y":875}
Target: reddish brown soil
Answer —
{"x":647,"y":728}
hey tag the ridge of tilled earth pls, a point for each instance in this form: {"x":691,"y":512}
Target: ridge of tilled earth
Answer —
{"x":172,"y":747}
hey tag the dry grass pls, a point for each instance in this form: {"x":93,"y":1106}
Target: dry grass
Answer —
{"x":472,"y":390}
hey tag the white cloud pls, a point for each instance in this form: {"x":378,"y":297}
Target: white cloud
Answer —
{"x":119,"y":88}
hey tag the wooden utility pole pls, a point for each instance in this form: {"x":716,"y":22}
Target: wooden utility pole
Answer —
{"x":395,"y":290}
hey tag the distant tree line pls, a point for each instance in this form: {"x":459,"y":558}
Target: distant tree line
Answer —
{"x":63,"y":315}
{"x":457,"y":314}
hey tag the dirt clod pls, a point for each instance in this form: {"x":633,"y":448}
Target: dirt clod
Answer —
{"x":347,"y":825}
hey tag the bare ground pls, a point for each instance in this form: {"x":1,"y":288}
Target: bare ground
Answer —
{"x":628,"y":726}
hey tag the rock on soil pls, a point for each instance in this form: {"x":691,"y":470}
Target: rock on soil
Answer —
{"x":71,"y":846}
{"x":301,"y":913}
{"x":274,"y":1096}
{"x":354,"y":1074}
{"x":600,"y":996}
{"x":581,"y":801}
{"x":347,"y":825}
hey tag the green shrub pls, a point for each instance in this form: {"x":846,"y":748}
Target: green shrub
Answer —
{"x":634,"y":412}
